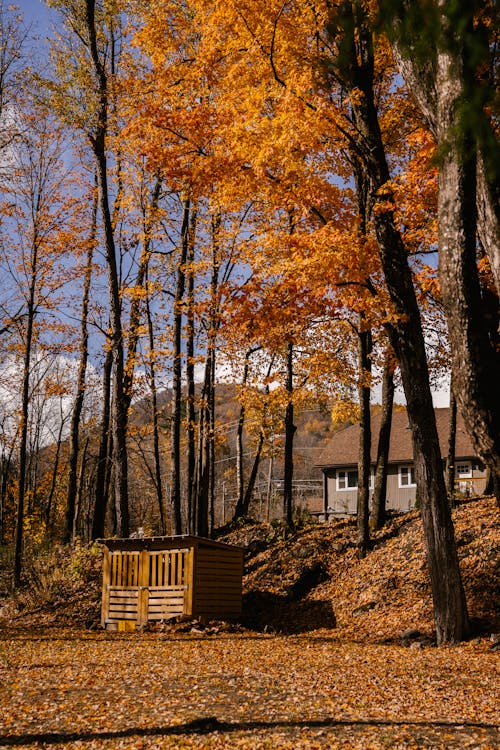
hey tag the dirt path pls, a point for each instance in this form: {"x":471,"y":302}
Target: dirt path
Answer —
{"x":92,"y":690}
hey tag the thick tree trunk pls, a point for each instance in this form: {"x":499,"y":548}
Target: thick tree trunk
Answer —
{"x":476,"y":365}
{"x":378,"y":514}
{"x":446,"y":81}
{"x":365,"y":437}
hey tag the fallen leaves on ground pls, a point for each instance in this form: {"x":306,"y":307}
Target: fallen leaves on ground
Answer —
{"x":254,"y":691}
{"x":330,"y":667}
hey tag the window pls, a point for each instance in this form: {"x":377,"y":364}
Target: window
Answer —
{"x":406,"y":476}
{"x":347,"y":480}
{"x":464,"y":469}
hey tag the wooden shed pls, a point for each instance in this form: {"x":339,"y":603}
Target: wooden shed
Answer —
{"x":157,"y":578}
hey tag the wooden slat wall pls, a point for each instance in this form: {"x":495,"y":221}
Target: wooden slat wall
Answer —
{"x":157,"y":585}
{"x":143,"y":586}
{"x":217,"y":582}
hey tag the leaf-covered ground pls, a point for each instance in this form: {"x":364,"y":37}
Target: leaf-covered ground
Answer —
{"x":92,"y":690}
{"x":331,"y":652}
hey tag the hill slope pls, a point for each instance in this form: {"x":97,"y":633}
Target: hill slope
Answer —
{"x":312,"y":580}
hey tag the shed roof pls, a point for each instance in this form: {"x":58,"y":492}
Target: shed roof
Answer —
{"x":163,"y":542}
{"x":343,"y":447}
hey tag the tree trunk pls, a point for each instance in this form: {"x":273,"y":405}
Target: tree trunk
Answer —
{"x":104,"y":457}
{"x":23,"y":432}
{"x":69,"y":524}
{"x":476,"y":365}
{"x":290,"y":429}
{"x":446,"y":85}
{"x":154,"y":412}
{"x":190,"y":384}
{"x":377,"y":518}
{"x":452,"y":437}
{"x":239,"y":511}
{"x":176,"y":419}
{"x":406,"y":338}
{"x":364,"y":461}
{"x":119,"y":402}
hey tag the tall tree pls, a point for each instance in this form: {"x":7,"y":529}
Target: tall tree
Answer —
{"x":450,"y":68}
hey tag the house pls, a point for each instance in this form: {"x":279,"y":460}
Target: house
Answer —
{"x":339,"y":460}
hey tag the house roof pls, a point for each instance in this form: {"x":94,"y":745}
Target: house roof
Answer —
{"x":343,"y":447}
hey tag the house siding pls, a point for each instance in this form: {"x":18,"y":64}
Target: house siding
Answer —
{"x":344,"y":502}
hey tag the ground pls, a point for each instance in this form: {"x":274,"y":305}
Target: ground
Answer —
{"x":331,"y":652}
{"x":93,"y":690}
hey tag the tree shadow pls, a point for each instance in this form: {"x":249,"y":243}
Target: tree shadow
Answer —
{"x":263,"y":611}
{"x":207,"y":725}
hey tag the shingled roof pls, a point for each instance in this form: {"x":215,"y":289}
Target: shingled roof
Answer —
{"x":343,"y":447}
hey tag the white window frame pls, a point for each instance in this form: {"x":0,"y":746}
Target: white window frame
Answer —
{"x":345,"y":472}
{"x":463,"y":475}
{"x":410,"y":470}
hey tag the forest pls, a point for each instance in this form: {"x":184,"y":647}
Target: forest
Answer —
{"x":298,"y":198}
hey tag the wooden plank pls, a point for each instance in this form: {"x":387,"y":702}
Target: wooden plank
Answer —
{"x":106,"y":579}
{"x":189,"y":581}
{"x":143,"y":580}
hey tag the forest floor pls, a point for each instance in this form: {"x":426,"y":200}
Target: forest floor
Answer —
{"x":331,"y":652}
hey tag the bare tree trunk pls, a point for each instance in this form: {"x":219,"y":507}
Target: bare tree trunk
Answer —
{"x":476,"y":365}
{"x":119,"y":401}
{"x":176,"y":420}
{"x":364,"y":460}
{"x":452,"y":436}
{"x":154,"y":412}
{"x":290,"y":429}
{"x":69,"y":525}
{"x":25,"y":397}
{"x":377,"y":518}
{"x":190,"y":385}
{"x":53,"y":483}
{"x":104,"y":457}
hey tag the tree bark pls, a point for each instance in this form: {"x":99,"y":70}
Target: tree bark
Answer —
{"x":190,"y":384}
{"x":119,"y":401}
{"x":104,"y":457}
{"x":452,"y":438}
{"x":476,"y":366}
{"x":69,"y":524}
{"x":290,"y":429}
{"x":378,"y":514}
{"x":447,"y":83}
{"x":406,"y":337}
{"x":176,"y":419}
{"x":364,"y":460}
{"x":154,"y":413}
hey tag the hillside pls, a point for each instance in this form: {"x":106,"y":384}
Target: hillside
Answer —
{"x":307,"y":582}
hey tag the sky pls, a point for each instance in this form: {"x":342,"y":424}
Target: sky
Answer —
{"x":37,"y":18}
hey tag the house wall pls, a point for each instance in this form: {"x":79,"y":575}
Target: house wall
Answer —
{"x":401,"y":499}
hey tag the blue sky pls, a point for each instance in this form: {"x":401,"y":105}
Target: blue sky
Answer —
{"x":36,"y":16}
